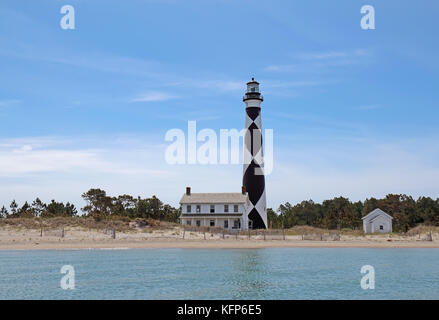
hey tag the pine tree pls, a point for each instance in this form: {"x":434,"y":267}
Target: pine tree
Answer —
{"x":13,"y":207}
{"x":38,"y":207}
{"x":4,"y":212}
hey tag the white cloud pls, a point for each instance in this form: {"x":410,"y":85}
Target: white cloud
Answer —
{"x":64,"y":168}
{"x":311,"y":62}
{"x":293,"y":84}
{"x":20,"y":162}
{"x":332,"y":55}
{"x":9,"y":103}
{"x":24,"y":148}
{"x":153,"y":96}
{"x":150,"y":71}
{"x":323,"y":55}
{"x":44,"y":155}
{"x":220,"y":84}
{"x":357,"y":170}
{"x":282,"y":68}
{"x":209,"y":83}
{"x":296,"y":182}
{"x":368,"y":107}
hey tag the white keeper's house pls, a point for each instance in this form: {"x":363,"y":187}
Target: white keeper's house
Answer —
{"x":224,"y":210}
{"x":377,"y":221}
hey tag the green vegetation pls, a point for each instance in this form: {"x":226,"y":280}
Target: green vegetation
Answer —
{"x":98,"y":206}
{"x":39,"y":209}
{"x":340,"y":213}
{"x":336,"y":214}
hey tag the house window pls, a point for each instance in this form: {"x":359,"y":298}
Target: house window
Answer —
{"x":212,"y":223}
{"x":235,"y":208}
{"x":236,"y":224}
{"x":381,"y":227}
{"x":226,"y":224}
{"x":212,"y":208}
{"x":198,"y":208}
{"x":226,"y":208}
{"x":188,"y":222}
{"x":188,"y":209}
{"x":198,"y":222}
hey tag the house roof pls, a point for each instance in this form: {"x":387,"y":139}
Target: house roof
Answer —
{"x":378,"y":216}
{"x":226,"y":197}
{"x":375,"y":213}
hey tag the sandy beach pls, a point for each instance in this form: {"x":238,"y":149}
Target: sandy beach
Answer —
{"x":13,"y":238}
{"x":215,"y":244}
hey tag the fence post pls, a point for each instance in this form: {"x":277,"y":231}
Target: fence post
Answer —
{"x":204,"y":234}
{"x":283,"y":233}
{"x":62,"y":233}
{"x":249,"y":234}
{"x":113,"y":234}
{"x":223,"y":233}
{"x":264,"y":234}
{"x":184,"y":231}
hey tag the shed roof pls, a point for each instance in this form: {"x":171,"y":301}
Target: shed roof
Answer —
{"x":211,"y":198}
{"x":377,"y":212}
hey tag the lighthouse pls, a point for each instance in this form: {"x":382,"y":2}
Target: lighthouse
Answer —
{"x":253,"y":177}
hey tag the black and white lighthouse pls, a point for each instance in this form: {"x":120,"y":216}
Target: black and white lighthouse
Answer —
{"x":253,"y":178}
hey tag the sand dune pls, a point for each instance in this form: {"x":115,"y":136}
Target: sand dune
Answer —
{"x":13,"y":238}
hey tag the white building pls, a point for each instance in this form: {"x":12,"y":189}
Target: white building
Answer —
{"x":224,"y":210}
{"x":377,"y":221}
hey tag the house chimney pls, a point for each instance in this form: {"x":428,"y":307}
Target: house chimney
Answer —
{"x":243,"y":190}
{"x":188,"y":191}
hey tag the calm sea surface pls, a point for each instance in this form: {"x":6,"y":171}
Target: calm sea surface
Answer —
{"x":284,"y":273}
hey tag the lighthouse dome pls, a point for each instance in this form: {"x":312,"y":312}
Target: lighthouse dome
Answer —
{"x":253,"y":91}
{"x":252,"y":86}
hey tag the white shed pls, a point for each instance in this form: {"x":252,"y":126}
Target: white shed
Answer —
{"x":377,"y":221}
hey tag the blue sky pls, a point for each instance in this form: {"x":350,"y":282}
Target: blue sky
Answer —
{"x":354,"y":112}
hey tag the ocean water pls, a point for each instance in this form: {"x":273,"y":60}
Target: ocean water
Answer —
{"x":274,"y":273}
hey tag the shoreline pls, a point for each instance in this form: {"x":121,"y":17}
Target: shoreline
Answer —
{"x":212,"y":244}
{"x":60,"y":236}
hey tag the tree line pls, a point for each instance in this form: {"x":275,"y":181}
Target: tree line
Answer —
{"x":340,"y":212}
{"x":337,"y":213}
{"x":98,"y":205}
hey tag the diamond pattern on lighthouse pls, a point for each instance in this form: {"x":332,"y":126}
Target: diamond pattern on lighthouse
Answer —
{"x":253,"y":177}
